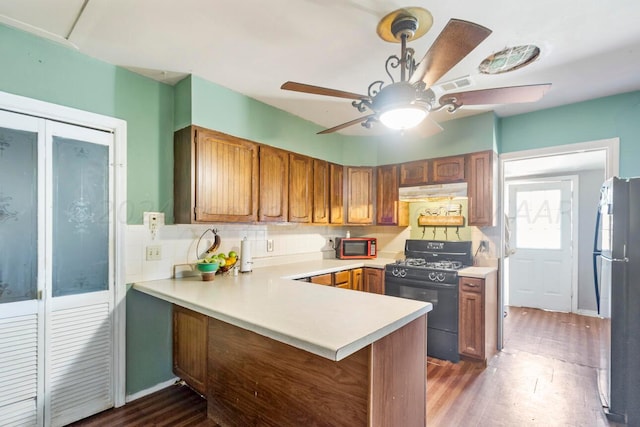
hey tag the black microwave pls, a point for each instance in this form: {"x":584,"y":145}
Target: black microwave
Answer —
{"x":356,"y":247}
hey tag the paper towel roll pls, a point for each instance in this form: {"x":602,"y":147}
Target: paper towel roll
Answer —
{"x":246,"y":262}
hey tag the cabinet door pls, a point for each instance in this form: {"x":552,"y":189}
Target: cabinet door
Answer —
{"x":336,"y":191}
{"x":480,"y":188}
{"x":226,"y":178}
{"x":274,"y":184}
{"x":190,"y":347}
{"x":342,"y":279}
{"x":448,"y":169}
{"x":356,"y":279}
{"x":320,"y":191}
{"x":374,"y":280}
{"x":323,"y":279}
{"x":359,"y":195}
{"x":300,"y":188}
{"x":414,"y":173}
{"x":387,"y":195}
{"x":471,"y":318}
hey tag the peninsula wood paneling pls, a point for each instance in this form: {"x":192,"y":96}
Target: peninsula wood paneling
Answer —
{"x":254,"y":380}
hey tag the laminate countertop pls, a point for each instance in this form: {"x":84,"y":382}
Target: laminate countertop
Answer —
{"x":477,"y":272}
{"x":327,"y":321}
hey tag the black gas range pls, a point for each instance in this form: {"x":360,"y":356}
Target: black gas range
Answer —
{"x":429,"y":273}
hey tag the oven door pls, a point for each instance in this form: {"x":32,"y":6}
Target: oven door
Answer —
{"x":444,"y":298}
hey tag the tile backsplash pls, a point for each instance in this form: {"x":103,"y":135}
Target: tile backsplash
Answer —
{"x":291,"y":243}
{"x":178,"y":245}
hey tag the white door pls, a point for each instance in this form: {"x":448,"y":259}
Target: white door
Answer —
{"x":71,"y":305}
{"x":540,"y":270}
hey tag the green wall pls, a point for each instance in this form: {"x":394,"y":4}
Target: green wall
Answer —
{"x":465,"y":135}
{"x":612,"y":116}
{"x":44,"y":70}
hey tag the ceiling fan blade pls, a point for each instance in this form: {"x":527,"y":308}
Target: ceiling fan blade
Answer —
{"x":499,"y":95}
{"x":317,"y":90}
{"x":346,"y":125}
{"x":457,"y":40}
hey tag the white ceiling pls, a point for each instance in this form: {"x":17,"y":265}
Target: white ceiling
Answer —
{"x":589,"y":49}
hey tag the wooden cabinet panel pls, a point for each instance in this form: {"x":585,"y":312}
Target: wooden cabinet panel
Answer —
{"x":342,"y":279}
{"x":414,"y":173}
{"x":359,"y":195}
{"x":387,"y":203}
{"x":478,"y":317}
{"x":323,"y":279}
{"x":300,"y":188}
{"x":215,"y":177}
{"x":480,"y":188}
{"x":356,"y":279}
{"x":190,"y":347}
{"x":448,"y":169}
{"x":373,"y":280}
{"x":336,"y":191}
{"x":471,"y":317}
{"x":320,"y":191}
{"x":274,"y":184}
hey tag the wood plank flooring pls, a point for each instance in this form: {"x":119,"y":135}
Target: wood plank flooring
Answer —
{"x":545,"y":376}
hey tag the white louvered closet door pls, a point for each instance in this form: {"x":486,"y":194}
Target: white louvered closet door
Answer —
{"x":21,"y":263}
{"x":57,"y":313}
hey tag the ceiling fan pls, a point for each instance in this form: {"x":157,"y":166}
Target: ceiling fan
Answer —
{"x":405,"y":103}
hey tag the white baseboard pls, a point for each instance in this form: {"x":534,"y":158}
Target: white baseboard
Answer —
{"x":148,"y":391}
{"x":591,"y":313}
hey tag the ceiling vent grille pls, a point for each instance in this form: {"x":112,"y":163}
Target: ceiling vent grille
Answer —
{"x":454,"y":84}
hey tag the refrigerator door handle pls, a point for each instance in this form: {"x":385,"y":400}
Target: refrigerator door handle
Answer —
{"x":596,"y":253}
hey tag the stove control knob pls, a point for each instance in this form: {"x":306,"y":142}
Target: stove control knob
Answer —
{"x":441,"y":277}
{"x":403,"y":272}
{"x":432,"y":275}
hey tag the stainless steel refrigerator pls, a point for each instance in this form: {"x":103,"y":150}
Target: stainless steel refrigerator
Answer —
{"x":616,"y":264}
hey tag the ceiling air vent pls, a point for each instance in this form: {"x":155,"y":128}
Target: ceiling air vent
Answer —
{"x":455,"y":84}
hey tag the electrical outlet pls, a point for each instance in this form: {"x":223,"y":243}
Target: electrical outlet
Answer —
{"x":154,"y":253}
{"x":153,"y":220}
{"x":270,"y":245}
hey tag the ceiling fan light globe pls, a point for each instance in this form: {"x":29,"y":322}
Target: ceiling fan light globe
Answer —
{"x":403,"y":117}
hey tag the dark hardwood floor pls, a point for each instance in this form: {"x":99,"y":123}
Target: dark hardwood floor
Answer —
{"x":545,"y":376}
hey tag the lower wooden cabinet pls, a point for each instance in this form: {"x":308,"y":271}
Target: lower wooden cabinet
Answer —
{"x":190,"y":347}
{"x":478,"y":317}
{"x":323,"y":279}
{"x":356,"y":279}
{"x":373,"y":280}
{"x":342,"y":279}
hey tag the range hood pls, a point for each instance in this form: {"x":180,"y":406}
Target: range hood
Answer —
{"x":426,"y":192}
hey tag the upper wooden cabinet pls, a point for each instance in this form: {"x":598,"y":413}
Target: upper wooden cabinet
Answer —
{"x":448,"y":169}
{"x":359,"y":195}
{"x":336,"y":194}
{"x":387,"y":195}
{"x":320,"y":191}
{"x":414,"y":173}
{"x":480,"y":188}
{"x":274,"y":184}
{"x":215,"y":177}
{"x":300,"y":188}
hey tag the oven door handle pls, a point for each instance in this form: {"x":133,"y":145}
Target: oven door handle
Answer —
{"x":424,"y":284}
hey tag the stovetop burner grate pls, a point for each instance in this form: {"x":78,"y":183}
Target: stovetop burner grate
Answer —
{"x":436,"y":265}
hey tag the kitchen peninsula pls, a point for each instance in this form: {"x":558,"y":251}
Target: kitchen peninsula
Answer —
{"x":286,"y":352}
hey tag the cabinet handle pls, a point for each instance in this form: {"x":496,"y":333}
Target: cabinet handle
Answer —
{"x":471,"y":285}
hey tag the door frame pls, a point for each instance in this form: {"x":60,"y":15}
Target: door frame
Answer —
{"x":574,"y":244}
{"x":50,"y":111}
{"x":611,"y":147}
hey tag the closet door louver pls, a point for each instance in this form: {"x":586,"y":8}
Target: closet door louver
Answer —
{"x":18,"y":370}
